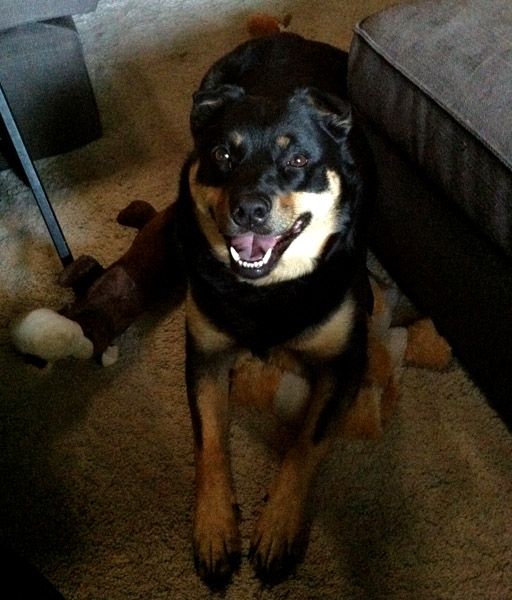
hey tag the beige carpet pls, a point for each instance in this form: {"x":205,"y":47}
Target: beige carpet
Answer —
{"x":96,"y":464}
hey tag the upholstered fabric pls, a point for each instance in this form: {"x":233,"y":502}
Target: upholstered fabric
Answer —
{"x":19,"y":12}
{"x":436,"y":77}
{"x":447,"y":267}
{"x":432,"y":81}
{"x":44,"y":76}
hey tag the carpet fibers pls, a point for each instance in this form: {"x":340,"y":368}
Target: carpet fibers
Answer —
{"x":97,"y":463}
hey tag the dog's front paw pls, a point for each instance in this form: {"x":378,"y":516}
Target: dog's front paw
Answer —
{"x":217,"y":547}
{"x":279,"y":541}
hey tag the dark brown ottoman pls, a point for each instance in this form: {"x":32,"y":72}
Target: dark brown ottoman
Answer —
{"x":432,"y":82}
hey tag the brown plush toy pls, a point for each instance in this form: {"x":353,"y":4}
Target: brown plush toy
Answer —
{"x":107,"y":301}
{"x":262,"y":24}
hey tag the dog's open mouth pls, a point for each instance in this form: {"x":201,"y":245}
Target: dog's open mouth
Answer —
{"x":254,"y":255}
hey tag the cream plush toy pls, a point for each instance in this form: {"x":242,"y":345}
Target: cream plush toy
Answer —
{"x":48,"y":335}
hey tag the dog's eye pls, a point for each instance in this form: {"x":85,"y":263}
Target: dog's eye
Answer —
{"x":298,"y":161}
{"x":221,"y":155}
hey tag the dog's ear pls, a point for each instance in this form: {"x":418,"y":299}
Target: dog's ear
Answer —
{"x":334,"y":113}
{"x":209,"y":102}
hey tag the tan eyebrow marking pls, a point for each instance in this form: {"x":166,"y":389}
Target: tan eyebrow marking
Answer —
{"x":236,"y":137}
{"x":283,"y":141}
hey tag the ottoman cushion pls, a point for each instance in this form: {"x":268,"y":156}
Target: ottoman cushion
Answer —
{"x":18,"y":12}
{"x":436,"y":78}
{"x":45,"y":79}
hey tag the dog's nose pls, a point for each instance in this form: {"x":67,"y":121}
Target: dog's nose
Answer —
{"x":251,"y":212}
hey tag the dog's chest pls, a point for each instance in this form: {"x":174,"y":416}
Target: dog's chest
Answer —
{"x":327,"y":339}
{"x":300,"y":317}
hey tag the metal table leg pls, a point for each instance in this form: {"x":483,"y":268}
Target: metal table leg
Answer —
{"x":14,"y":137}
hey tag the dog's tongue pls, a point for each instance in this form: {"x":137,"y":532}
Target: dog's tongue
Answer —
{"x":251,"y":246}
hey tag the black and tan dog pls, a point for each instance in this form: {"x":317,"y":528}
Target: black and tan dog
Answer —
{"x":270,"y":222}
{"x":271,"y":217}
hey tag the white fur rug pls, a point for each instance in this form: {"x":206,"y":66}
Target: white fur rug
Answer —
{"x":97,"y":465}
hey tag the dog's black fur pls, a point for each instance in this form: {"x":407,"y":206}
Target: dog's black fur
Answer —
{"x":279,"y":164}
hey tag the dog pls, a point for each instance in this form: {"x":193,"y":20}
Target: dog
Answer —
{"x":271,"y":219}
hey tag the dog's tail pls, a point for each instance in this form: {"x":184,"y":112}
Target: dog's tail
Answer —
{"x":260,"y":25}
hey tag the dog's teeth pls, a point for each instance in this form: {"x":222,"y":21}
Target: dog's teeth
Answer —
{"x":234,"y":254}
{"x":297,"y":227}
{"x":267,"y":256}
{"x":251,"y":265}
{"x":257,"y":264}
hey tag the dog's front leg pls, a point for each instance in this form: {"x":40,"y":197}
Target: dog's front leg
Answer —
{"x":216,"y":535}
{"x":280,"y":536}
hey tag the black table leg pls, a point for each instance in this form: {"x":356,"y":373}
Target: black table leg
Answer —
{"x":20,"y":150}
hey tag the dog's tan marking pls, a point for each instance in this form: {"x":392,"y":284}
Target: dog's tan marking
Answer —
{"x":209,"y":389}
{"x":216,"y":536}
{"x":287,"y":203}
{"x":236,"y":138}
{"x":210,"y":201}
{"x":330,"y":338}
{"x":205,"y":197}
{"x":302,"y":255}
{"x":207,"y":336}
{"x":279,"y":532}
{"x":283,"y":141}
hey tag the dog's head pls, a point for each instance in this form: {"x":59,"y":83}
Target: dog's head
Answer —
{"x":269,"y":179}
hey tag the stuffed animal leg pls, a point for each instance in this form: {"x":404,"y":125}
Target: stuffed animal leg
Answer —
{"x":107,"y":301}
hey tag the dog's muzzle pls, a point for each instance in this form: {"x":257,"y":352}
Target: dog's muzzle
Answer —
{"x":254,"y":255}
